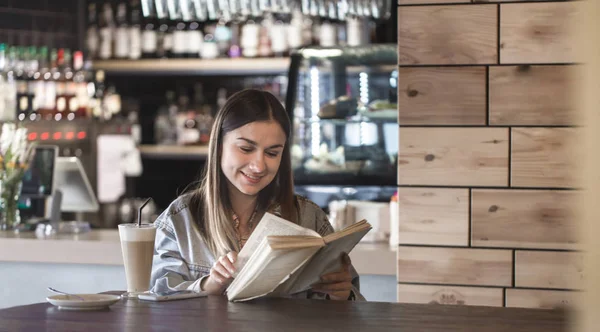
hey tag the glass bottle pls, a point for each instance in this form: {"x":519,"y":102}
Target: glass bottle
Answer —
{"x":164,"y":34}
{"x":92,"y":38}
{"x":23,"y":100}
{"x":121,"y":32}
{"x":81,"y":86}
{"x":149,"y":36}
{"x":106,"y":25}
{"x":3,"y":82}
{"x":135,"y":30}
{"x":48,"y":104}
{"x":61,"y":105}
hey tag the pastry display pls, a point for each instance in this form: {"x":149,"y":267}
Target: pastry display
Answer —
{"x":330,"y":162}
{"x":380,"y":109}
{"x":338,"y":108}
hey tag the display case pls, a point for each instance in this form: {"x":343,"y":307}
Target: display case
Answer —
{"x":343,"y":105}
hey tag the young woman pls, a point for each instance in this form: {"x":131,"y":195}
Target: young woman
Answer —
{"x":248,"y":173}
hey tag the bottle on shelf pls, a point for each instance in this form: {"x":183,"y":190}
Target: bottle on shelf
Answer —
{"x":355,"y":31}
{"x":279,"y":35}
{"x":52,"y":84}
{"x":121,"y":32}
{"x":149,"y":36}
{"x":32,"y":62}
{"x":234,"y":49}
{"x":136,"y":128}
{"x":6,"y":113}
{"x":264,"y":37}
{"x":181,"y":28}
{"x":222,"y":35}
{"x":179,"y":49}
{"x":10,"y":87}
{"x":164,"y":32}
{"x":195,"y":37}
{"x":97,"y":99}
{"x":203,"y":111}
{"x":294,"y":30}
{"x":92,"y":35}
{"x":81,"y":86}
{"x":112,"y":103}
{"x":328,"y":33}
{"x":135,"y":30}
{"x":249,"y":40}
{"x":221,"y":98}
{"x":165,"y":125}
{"x":210,"y":50}
{"x":187,"y":126}
{"x":62,"y":97}
{"x":106,"y":27}
{"x":23,"y":95}
{"x":71,"y":86}
{"x":48,"y":103}
{"x":38,"y":84}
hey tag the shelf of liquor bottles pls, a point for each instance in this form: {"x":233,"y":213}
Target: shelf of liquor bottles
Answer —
{"x":174,"y":151}
{"x":219,"y":66}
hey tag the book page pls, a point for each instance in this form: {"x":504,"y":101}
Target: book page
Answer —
{"x":274,"y":270}
{"x":269,"y":224}
{"x":326,"y":260}
{"x":250,"y":269}
{"x":283,"y":242}
{"x":357,"y":226}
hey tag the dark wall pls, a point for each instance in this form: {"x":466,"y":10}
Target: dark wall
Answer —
{"x":53,"y":23}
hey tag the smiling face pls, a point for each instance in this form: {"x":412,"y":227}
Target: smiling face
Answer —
{"x":251,"y":156}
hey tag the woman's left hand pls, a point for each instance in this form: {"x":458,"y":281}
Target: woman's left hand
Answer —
{"x":336,"y":284}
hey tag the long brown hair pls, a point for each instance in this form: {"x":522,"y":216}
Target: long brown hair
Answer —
{"x":210,"y":199}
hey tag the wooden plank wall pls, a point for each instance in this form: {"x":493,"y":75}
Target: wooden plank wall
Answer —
{"x":487,"y":188}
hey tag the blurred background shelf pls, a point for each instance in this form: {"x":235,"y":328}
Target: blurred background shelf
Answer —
{"x":222,"y":66}
{"x":173,"y":152}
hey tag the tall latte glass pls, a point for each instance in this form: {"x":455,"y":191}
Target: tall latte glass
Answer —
{"x":137,"y":245}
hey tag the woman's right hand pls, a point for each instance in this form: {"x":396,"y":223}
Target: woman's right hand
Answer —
{"x":221,"y":274}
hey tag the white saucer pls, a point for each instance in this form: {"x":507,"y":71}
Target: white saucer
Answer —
{"x":89,"y":302}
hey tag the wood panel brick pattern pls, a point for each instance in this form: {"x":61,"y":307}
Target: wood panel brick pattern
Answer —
{"x":442,"y":96}
{"x":538,"y":32}
{"x":541,"y":299}
{"x":436,"y":88}
{"x":524,"y":219}
{"x":453,"y":156}
{"x":455,"y":266}
{"x":532,"y":95}
{"x":458,"y":34}
{"x":433,"y":216}
{"x":545,"y":157}
{"x":453,"y":295}
{"x":549,"y":269}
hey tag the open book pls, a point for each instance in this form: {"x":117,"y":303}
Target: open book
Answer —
{"x":283,"y":258}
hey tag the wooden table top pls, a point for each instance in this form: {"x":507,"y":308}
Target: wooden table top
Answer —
{"x":215,"y":313}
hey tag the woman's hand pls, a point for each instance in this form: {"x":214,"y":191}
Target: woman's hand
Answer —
{"x":337,"y":284}
{"x":221,"y":274}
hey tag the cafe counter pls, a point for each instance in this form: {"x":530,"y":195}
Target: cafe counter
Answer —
{"x":102,"y":247}
{"x":92,"y":262}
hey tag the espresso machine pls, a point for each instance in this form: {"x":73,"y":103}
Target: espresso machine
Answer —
{"x":78,"y":138}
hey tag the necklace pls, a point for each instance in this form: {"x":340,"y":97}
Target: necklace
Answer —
{"x":236,"y":223}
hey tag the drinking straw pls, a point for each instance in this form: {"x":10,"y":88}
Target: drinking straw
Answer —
{"x":140,"y":211}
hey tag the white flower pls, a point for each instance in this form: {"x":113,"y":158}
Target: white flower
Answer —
{"x":8,"y":131}
{"x":19,"y":144}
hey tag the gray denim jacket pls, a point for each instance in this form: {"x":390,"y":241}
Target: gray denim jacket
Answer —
{"x":182,"y":258}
